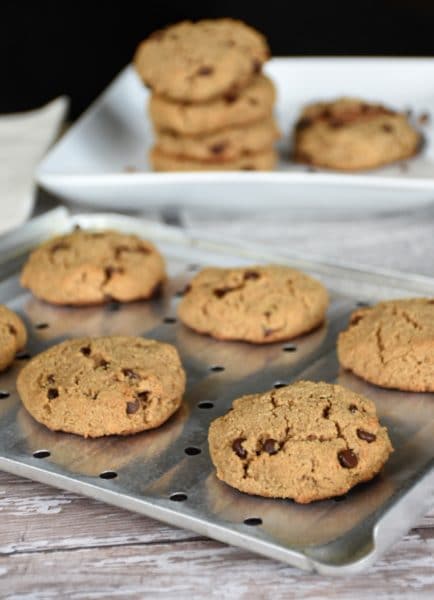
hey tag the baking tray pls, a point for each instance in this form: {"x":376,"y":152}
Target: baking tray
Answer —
{"x":167,"y":473}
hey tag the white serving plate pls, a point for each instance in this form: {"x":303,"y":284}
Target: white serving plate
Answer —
{"x":102,"y":160}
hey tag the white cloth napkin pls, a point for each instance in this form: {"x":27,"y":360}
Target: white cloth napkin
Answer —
{"x":24,"y":138}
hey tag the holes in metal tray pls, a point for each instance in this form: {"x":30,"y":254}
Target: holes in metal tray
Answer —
{"x":205,"y":405}
{"x":216,"y":368}
{"x":108,"y":475}
{"x":279,"y":384}
{"x":169,"y":320}
{"x":192,"y":451}
{"x":41,"y":325}
{"x":289,"y":348}
{"x":22,"y":355}
{"x":178,"y":497}
{"x":4,"y":394}
{"x":253,"y":521}
{"x":41,"y":454}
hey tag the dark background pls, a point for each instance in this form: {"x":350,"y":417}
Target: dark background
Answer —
{"x":76,"y":48}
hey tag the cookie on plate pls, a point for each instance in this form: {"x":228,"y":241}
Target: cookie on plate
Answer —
{"x":13,"y":336}
{"x":307,"y":441}
{"x":234,"y":109}
{"x":259,"y":161}
{"x":94,"y":387}
{"x":92,"y":267}
{"x":258,"y":304}
{"x":225,"y":145}
{"x":350,"y":135}
{"x":199,"y":61}
{"x":391,"y":344}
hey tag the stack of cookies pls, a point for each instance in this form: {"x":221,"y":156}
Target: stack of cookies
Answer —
{"x":211,"y":105}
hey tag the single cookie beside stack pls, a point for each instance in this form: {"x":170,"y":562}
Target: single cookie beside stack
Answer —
{"x":210,"y":105}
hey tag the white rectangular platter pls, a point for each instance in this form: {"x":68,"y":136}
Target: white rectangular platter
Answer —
{"x":102,"y":160}
{"x":156,"y":473}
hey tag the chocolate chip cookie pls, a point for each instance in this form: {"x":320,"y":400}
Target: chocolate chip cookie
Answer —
{"x":234,"y":109}
{"x":225,"y":145}
{"x":264,"y":160}
{"x":202,"y":60}
{"x":94,"y":387}
{"x":391,"y":344}
{"x":307,"y":441}
{"x":350,"y":135}
{"x":258,"y":304}
{"x":92,"y":267}
{"x":13,"y":336}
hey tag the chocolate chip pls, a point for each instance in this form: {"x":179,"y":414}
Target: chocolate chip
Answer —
{"x":101,"y":362}
{"x":231,"y":96}
{"x":353,"y":408}
{"x":52,"y":393}
{"x":366,"y":436}
{"x":237,"y":447}
{"x":348,"y":459}
{"x":110,"y":271}
{"x":267,"y":331}
{"x":85,"y":350}
{"x":387,"y":128}
{"x":271,"y":446}
{"x":130,"y":373}
{"x":12,"y":330}
{"x":251,"y":275}
{"x":50,"y":379}
{"x":218,"y":148}
{"x":143,"y":396}
{"x":220,"y":292}
{"x":311,"y":437}
{"x":205,"y":70}
{"x":257,"y":65}
{"x":132,"y":407}
{"x":303,"y":123}
{"x":325,"y":412}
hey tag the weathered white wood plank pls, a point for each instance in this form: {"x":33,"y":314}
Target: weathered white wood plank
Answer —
{"x":198,"y":569}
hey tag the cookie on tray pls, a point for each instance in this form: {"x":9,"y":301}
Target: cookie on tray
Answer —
{"x":13,"y":336}
{"x":259,"y":161}
{"x":234,"y":109}
{"x":199,"y":61}
{"x":351,"y":135}
{"x":307,"y":441}
{"x":225,"y":145}
{"x":391,"y":344}
{"x":92,"y":267}
{"x":94,"y":387}
{"x":258,"y":304}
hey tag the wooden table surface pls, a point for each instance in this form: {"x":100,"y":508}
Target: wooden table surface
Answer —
{"x":55,"y":544}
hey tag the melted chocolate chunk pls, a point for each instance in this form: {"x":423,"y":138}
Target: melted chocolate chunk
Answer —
{"x":271,"y":446}
{"x":132,"y":407}
{"x":218,"y":148}
{"x":251,"y":275}
{"x":205,"y":70}
{"x":237,"y":447}
{"x":143,"y":396}
{"x":130,"y":373}
{"x":348,"y":459}
{"x":366,"y":436}
{"x":85,"y":350}
{"x":52,"y":393}
{"x":353,"y":408}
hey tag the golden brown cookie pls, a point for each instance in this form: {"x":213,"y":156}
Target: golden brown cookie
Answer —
{"x":93,"y":387}
{"x":391,"y":344}
{"x":91,"y":267}
{"x":234,"y":109}
{"x":13,"y":336}
{"x":350,"y":135}
{"x":259,"y":161}
{"x":224,"y":145}
{"x":202,"y":60}
{"x":258,"y":304}
{"x":307,"y":441}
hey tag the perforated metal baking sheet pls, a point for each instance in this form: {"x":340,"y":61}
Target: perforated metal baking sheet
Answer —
{"x":167,"y":473}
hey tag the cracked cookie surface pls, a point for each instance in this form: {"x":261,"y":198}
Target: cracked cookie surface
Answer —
{"x":94,"y":387}
{"x":391,"y":344}
{"x":92,"y":267}
{"x":258,"y":304}
{"x":199,"y":61}
{"x":13,"y":336}
{"x":307,"y":441}
{"x":252,"y":103}
{"x":350,"y":134}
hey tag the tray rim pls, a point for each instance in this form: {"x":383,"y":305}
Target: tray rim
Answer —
{"x":397,"y":518}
